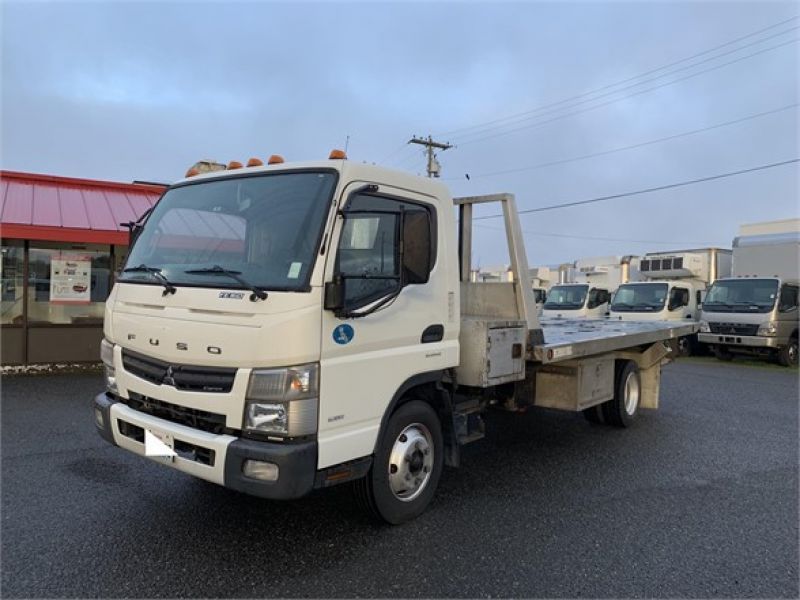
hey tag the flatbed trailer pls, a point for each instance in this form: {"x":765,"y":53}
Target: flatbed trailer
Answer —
{"x":570,"y":339}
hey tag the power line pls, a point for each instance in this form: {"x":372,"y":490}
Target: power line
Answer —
{"x":648,"y":190}
{"x":645,"y":81}
{"x":623,"y":81}
{"x":612,"y":101}
{"x":630,"y":147}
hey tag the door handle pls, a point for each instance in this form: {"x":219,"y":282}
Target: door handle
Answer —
{"x":432,"y":333}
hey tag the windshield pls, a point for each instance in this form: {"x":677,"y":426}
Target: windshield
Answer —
{"x":641,"y":297}
{"x":742,"y":295}
{"x":265,"y":229}
{"x":566,"y":297}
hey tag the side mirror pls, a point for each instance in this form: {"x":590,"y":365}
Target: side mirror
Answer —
{"x":334,"y":295}
{"x":135,"y":228}
{"x":416,"y":239}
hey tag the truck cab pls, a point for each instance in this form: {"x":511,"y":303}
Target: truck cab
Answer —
{"x":752,"y":316}
{"x":755,"y":312}
{"x":576,"y":301}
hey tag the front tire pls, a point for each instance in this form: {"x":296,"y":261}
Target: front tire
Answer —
{"x":787,"y":356}
{"x":723,"y":353}
{"x":685,"y":346}
{"x":622,"y":409}
{"x":407,"y":466}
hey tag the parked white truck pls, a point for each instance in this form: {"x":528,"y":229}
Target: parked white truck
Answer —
{"x":755,"y":312}
{"x":673,"y":287}
{"x":594,"y":281}
{"x":540,"y":282}
{"x":288,"y":327}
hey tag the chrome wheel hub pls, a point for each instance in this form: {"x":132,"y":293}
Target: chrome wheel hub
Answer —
{"x":411,"y":462}
{"x":631,"y":394}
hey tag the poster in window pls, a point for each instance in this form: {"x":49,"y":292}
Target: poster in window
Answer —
{"x":71,"y":279}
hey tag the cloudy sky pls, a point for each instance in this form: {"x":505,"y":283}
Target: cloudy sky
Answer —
{"x":125,"y":91}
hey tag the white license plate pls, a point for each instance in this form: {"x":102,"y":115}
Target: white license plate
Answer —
{"x":159,"y":446}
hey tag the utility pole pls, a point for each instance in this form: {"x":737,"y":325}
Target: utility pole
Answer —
{"x":434,"y":168}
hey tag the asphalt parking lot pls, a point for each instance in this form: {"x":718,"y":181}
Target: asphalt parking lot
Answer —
{"x":699,"y":499}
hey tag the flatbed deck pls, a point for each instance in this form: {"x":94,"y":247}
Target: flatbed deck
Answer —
{"x":566,"y":339}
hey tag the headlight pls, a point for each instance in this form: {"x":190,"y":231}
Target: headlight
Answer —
{"x":283,"y":401}
{"x":769,"y":328}
{"x":704,"y":328}
{"x":107,"y":356}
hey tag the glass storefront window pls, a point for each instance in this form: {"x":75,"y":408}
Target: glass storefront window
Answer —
{"x":67,"y":283}
{"x":11,"y":276}
{"x":120,"y":256}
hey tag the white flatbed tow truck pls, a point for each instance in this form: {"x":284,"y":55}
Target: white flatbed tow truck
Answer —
{"x":288,"y":327}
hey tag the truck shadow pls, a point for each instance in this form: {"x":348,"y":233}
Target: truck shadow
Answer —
{"x":538,"y":458}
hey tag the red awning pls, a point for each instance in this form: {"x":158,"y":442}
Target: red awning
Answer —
{"x":63,"y":209}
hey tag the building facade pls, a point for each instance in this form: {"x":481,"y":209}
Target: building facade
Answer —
{"x":62,"y":241}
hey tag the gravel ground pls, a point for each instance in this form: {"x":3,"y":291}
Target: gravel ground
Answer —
{"x":699,"y":499}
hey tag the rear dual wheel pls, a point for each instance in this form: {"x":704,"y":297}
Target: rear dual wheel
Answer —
{"x":621,"y":410}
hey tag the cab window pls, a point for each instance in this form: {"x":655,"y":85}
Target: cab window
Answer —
{"x":368,"y":254}
{"x":678,"y":298}
{"x":788,"y":300}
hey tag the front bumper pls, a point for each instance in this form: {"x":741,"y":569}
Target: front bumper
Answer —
{"x":214,"y":457}
{"x":722,"y":339}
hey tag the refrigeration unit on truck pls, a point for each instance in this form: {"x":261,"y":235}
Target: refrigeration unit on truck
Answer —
{"x":287,"y":327}
{"x":755,"y":312}
{"x":608,"y":272}
{"x":672,"y":289}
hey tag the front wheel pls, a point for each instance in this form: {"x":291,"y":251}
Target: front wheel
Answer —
{"x":723,"y":353}
{"x":684,"y":346}
{"x":407,"y":465}
{"x":787,"y":355}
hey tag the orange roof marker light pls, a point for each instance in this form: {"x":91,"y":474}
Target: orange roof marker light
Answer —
{"x":192,"y":172}
{"x":255,"y":162}
{"x":275,"y":159}
{"x":337,"y":155}
{"x":235,"y":164}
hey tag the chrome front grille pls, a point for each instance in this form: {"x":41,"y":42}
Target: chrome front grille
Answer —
{"x":734,"y":328}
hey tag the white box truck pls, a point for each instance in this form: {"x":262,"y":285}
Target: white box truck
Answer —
{"x":287,"y":327}
{"x":672,"y":289}
{"x":755,"y":312}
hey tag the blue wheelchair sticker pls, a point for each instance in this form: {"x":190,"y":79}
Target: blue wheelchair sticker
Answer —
{"x":343,"y":334}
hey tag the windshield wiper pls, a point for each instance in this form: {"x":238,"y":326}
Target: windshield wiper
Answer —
{"x":258,"y":293}
{"x":155,"y":272}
